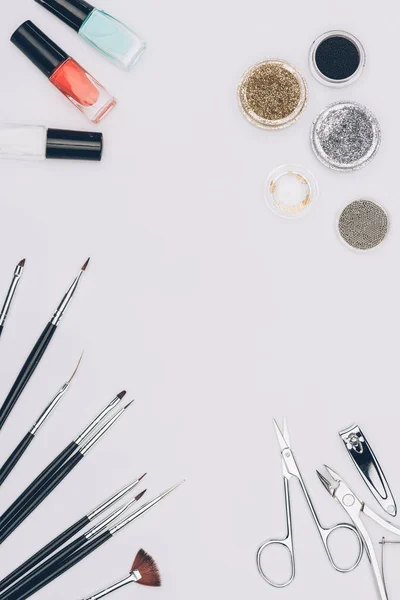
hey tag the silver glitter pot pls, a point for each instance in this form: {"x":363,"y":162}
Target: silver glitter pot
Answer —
{"x":345,"y":136}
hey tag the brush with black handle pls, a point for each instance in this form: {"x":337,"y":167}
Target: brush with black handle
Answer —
{"x":26,"y":441}
{"x":38,"y":350}
{"x":64,"y":560}
{"x":32,"y":489}
{"x":65,"y":536}
{"x":53,"y":481}
{"x":19,"y":269}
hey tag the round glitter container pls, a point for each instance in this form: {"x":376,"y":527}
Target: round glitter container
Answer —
{"x":345,"y":136}
{"x":337,"y":58}
{"x":272,"y":94}
{"x":291,"y":191}
{"x":363,"y":224}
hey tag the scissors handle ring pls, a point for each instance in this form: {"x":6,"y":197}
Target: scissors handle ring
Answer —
{"x":286,"y":543}
{"x":360,"y":546}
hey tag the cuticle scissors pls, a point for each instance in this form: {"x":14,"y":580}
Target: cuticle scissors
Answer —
{"x":289,"y":470}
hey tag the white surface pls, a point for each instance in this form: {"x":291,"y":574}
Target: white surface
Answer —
{"x":214,"y":314}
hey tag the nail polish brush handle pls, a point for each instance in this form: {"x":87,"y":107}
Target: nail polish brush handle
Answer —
{"x":26,"y":372}
{"x":15,"y":507}
{"x":15,"y":456}
{"x":61,"y":565}
{"x":42,"y":494}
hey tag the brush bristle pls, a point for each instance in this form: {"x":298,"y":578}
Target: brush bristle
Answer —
{"x":137,"y":498}
{"x":147,"y":568}
{"x":22,"y":263}
{"x":121,"y":394}
{"x":83,"y":268}
{"x":144,"y":475}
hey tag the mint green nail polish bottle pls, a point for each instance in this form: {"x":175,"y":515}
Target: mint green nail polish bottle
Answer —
{"x":108,"y":35}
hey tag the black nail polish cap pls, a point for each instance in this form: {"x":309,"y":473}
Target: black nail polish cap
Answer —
{"x":72,"y":12}
{"x":74,"y":145}
{"x":39,"y":48}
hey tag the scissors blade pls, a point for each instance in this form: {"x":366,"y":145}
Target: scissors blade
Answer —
{"x":326,"y":483}
{"x":282,"y":442}
{"x":334,"y":475}
{"x":286,"y":431}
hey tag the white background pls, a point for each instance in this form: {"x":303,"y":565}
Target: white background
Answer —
{"x":212,"y":312}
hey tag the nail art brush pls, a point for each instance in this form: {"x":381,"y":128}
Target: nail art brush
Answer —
{"x":10,"y":294}
{"x":53,"y":467}
{"x":65,"y":536}
{"x":60,"y":563}
{"x":38,"y":351}
{"x":52,"y":482}
{"x":21,"y":448}
{"x":143,"y":571}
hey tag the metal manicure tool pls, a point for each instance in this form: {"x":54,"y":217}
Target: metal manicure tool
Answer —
{"x":369,"y":468}
{"x":289,"y":470}
{"x":355,"y":507}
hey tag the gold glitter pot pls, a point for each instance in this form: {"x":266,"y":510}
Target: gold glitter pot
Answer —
{"x":273,"y":94}
{"x":291,"y":191}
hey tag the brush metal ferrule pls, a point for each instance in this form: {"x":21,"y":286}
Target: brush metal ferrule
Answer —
{"x":108,"y":520}
{"x":47,"y":412}
{"x":132,"y":578}
{"x":66,"y":300}
{"x":10,"y":294}
{"x":114,"y":402}
{"x":110,"y":501}
{"x":84,"y":449}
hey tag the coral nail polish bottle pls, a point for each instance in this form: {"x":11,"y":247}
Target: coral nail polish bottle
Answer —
{"x":102,"y":31}
{"x":87,"y":94}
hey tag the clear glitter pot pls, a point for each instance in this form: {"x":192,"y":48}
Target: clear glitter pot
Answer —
{"x":272,"y":86}
{"x":337,"y":58}
{"x":363,"y":225}
{"x":345,"y":136}
{"x":291,"y":191}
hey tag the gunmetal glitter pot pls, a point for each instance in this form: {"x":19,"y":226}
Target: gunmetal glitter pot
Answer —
{"x":337,"y":58}
{"x":272,"y":94}
{"x":363,"y":224}
{"x":291,"y":191}
{"x":345,"y":136}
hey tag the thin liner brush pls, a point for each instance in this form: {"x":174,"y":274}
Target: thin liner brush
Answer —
{"x":53,"y":467}
{"x":59,"y":564}
{"x":52,"y":482}
{"x":21,"y":448}
{"x":144,"y":571}
{"x":65,"y":536}
{"x":19,"y":269}
{"x":38,"y":351}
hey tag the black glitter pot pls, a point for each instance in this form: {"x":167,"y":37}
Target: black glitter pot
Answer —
{"x":345,"y":136}
{"x":337,"y":58}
